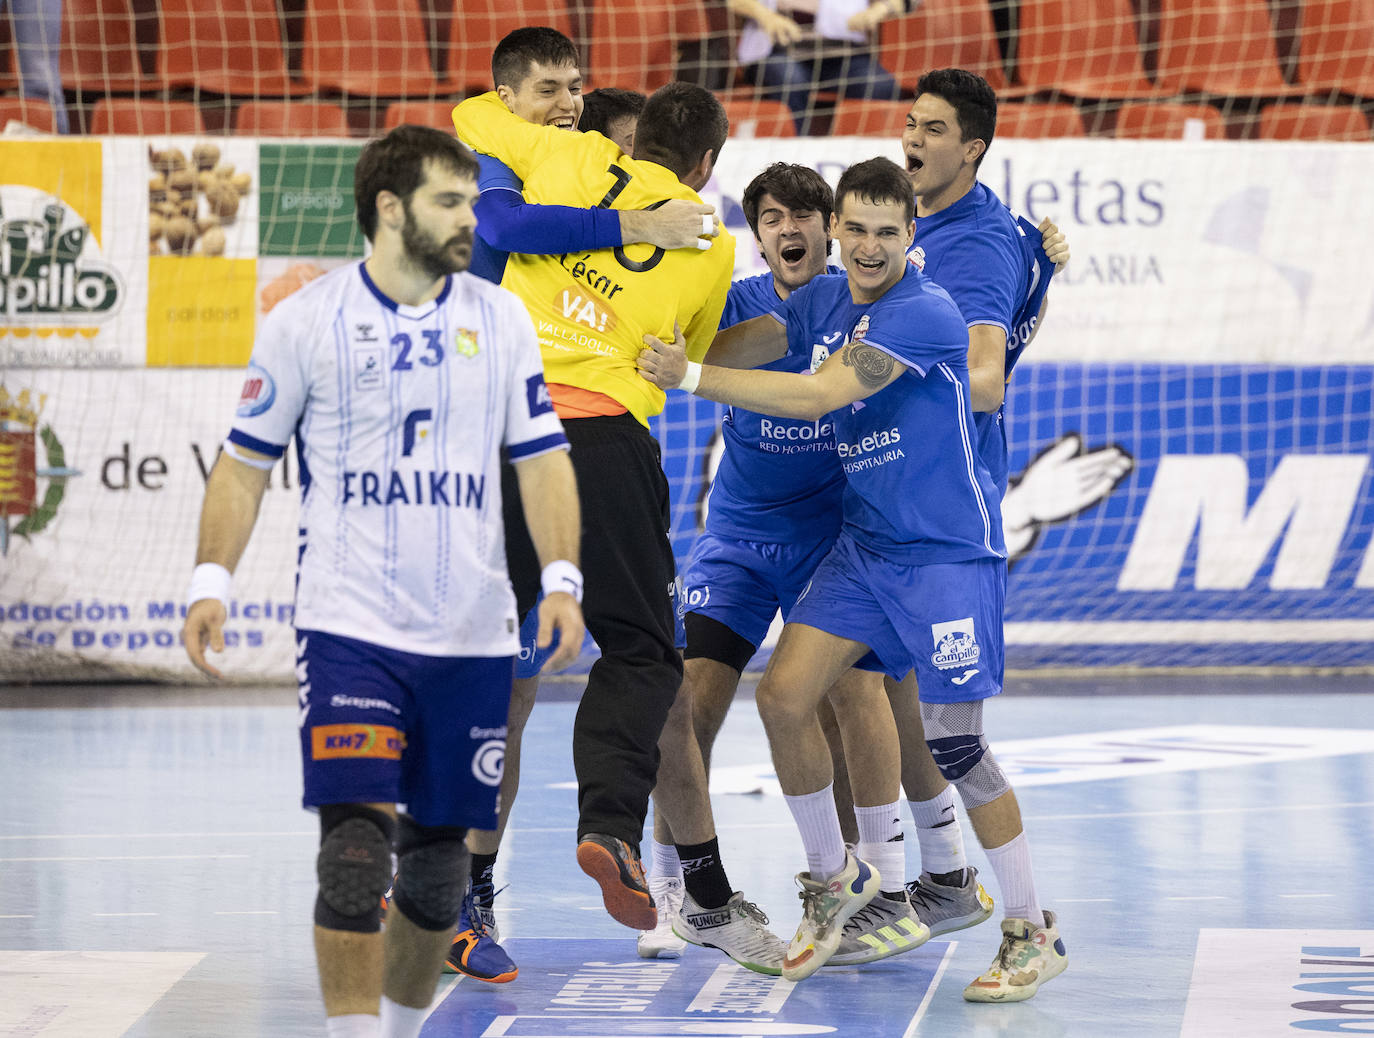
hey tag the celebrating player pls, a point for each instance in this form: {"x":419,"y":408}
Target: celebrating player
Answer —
{"x":917,"y":575}
{"x":592,"y":309}
{"x":401,"y":378}
{"x":536,"y":75}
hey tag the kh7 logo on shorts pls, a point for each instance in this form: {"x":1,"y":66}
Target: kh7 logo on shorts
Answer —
{"x":955,"y":644}
{"x":355,"y":741}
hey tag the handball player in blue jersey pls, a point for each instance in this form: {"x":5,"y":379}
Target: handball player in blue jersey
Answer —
{"x":535,"y":71}
{"x":917,"y":574}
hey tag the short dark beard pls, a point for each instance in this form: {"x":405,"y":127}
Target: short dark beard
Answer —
{"x":433,"y":258}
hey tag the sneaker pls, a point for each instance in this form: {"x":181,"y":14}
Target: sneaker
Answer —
{"x":738,"y":928}
{"x":661,"y":942}
{"x":616,"y":866}
{"x":474,"y":952}
{"x":826,"y":907}
{"x":946,"y":909}
{"x":881,"y":928}
{"x":1029,"y":956}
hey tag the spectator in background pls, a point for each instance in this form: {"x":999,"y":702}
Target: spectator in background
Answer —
{"x":38,"y":34}
{"x":613,"y":113}
{"x":791,"y":49}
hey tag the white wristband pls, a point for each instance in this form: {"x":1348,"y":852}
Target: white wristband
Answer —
{"x":208,"y":580}
{"x":692,"y":379}
{"x":562,"y":575}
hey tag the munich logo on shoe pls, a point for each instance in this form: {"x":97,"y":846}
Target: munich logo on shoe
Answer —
{"x":710,"y":919}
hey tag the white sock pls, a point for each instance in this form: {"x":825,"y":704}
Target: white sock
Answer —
{"x":354,"y":1025}
{"x":881,"y":843}
{"x":665,"y":860}
{"x":819,"y":826}
{"x":937,"y":830}
{"x":400,"y":1021}
{"x":1011,"y":863}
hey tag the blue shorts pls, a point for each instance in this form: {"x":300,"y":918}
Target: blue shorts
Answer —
{"x":942,"y":620}
{"x":742,"y":584}
{"x":380,"y":726}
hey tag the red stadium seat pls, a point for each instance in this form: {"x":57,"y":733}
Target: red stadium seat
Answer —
{"x":942,"y":34}
{"x":635,"y":42}
{"x":1313,"y":122}
{"x":751,"y":116}
{"x":224,"y":46}
{"x":1163,"y":120}
{"x":858,"y":118}
{"x":1218,"y":47}
{"x":145,"y":117}
{"x":1033,"y":120}
{"x":1087,"y":48}
{"x":367,"y":48}
{"x":479,"y":25}
{"x":100,"y":48}
{"x":290,"y":119}
{"x":438,"y":114}
{"x":30,"y":111}
{"x":1336,"y":46}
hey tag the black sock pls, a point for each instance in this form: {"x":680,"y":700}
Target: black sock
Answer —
{"x":949,"y":879}
{"x":483,"y":871}
{"x":703,"y":874}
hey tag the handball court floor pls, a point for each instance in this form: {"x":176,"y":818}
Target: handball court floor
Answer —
{"x":1208,"y":843}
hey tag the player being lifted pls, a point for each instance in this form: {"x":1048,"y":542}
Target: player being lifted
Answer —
{"x":401,"y":379}
{"x":591,"y":310}
{"x":917,"y":574}
{"x":536,"y":75}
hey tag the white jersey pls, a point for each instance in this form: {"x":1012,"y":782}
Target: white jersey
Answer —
{"x":400,"y":413}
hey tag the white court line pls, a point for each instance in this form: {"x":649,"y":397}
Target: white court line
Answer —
{"x":119,"y":915}
{"x":1307,"y":895}
{"x":30,"y":917}
{"x":152,"y":836}
{"x":930,"y":991}
{"x":134,"y":857}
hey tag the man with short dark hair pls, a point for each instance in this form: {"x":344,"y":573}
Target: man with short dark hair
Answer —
{"x":613,"y":113}
{"x":592,"y":309}
{"x":401,"y":378}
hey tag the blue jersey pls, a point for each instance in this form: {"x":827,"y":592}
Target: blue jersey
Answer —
{"x":917,"y":492}
{"x":993,"y":266}
{"x":778,"y":481}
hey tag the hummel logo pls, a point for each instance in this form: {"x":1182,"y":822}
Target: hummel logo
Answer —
{"x":965,"y":676}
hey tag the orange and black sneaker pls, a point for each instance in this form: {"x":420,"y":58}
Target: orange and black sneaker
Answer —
{"x":615,"y":865}
{"x":474,"y":952}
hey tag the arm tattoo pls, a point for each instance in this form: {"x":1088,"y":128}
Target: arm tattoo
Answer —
{"x":872,"y":365}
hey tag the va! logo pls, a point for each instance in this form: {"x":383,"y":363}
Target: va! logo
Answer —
{"x":20,"y":471}
{"x":50,"y":270}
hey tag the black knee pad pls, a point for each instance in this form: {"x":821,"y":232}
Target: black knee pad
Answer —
{"x":353,"y":866}
{"x":708,"y":638}
{"x":433,"y":874}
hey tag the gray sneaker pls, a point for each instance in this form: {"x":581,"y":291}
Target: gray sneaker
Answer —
{"x":738,"y":928}
{"x":879,"y":929}
{"x":946,"y":909}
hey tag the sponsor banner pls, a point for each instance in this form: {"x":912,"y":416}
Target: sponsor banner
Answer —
{"x":1271,"y":983}
{"x":588,"y":988}
{"x":101,"y":480}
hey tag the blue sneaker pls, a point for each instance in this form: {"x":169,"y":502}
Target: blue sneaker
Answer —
{"x":474,"y":952}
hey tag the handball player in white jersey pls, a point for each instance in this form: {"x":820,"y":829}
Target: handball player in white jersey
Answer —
{"x":401,"y":379}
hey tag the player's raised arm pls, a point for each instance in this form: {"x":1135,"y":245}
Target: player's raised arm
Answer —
{"x":233,"y":494}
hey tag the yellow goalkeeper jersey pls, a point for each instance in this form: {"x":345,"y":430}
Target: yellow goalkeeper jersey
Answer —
{"x":591,"y":310}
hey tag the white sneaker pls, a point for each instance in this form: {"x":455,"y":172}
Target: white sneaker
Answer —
{"x":738,"y":928}
{"x":1029,"y":956}
{"x":661,"y":942}
{"x":881,"y":928}
{"x":826,"y":907}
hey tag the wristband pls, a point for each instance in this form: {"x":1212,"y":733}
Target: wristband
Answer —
{"x":692,"y":379}
{"x":562,"y":575}
{"x":208,"y":580}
